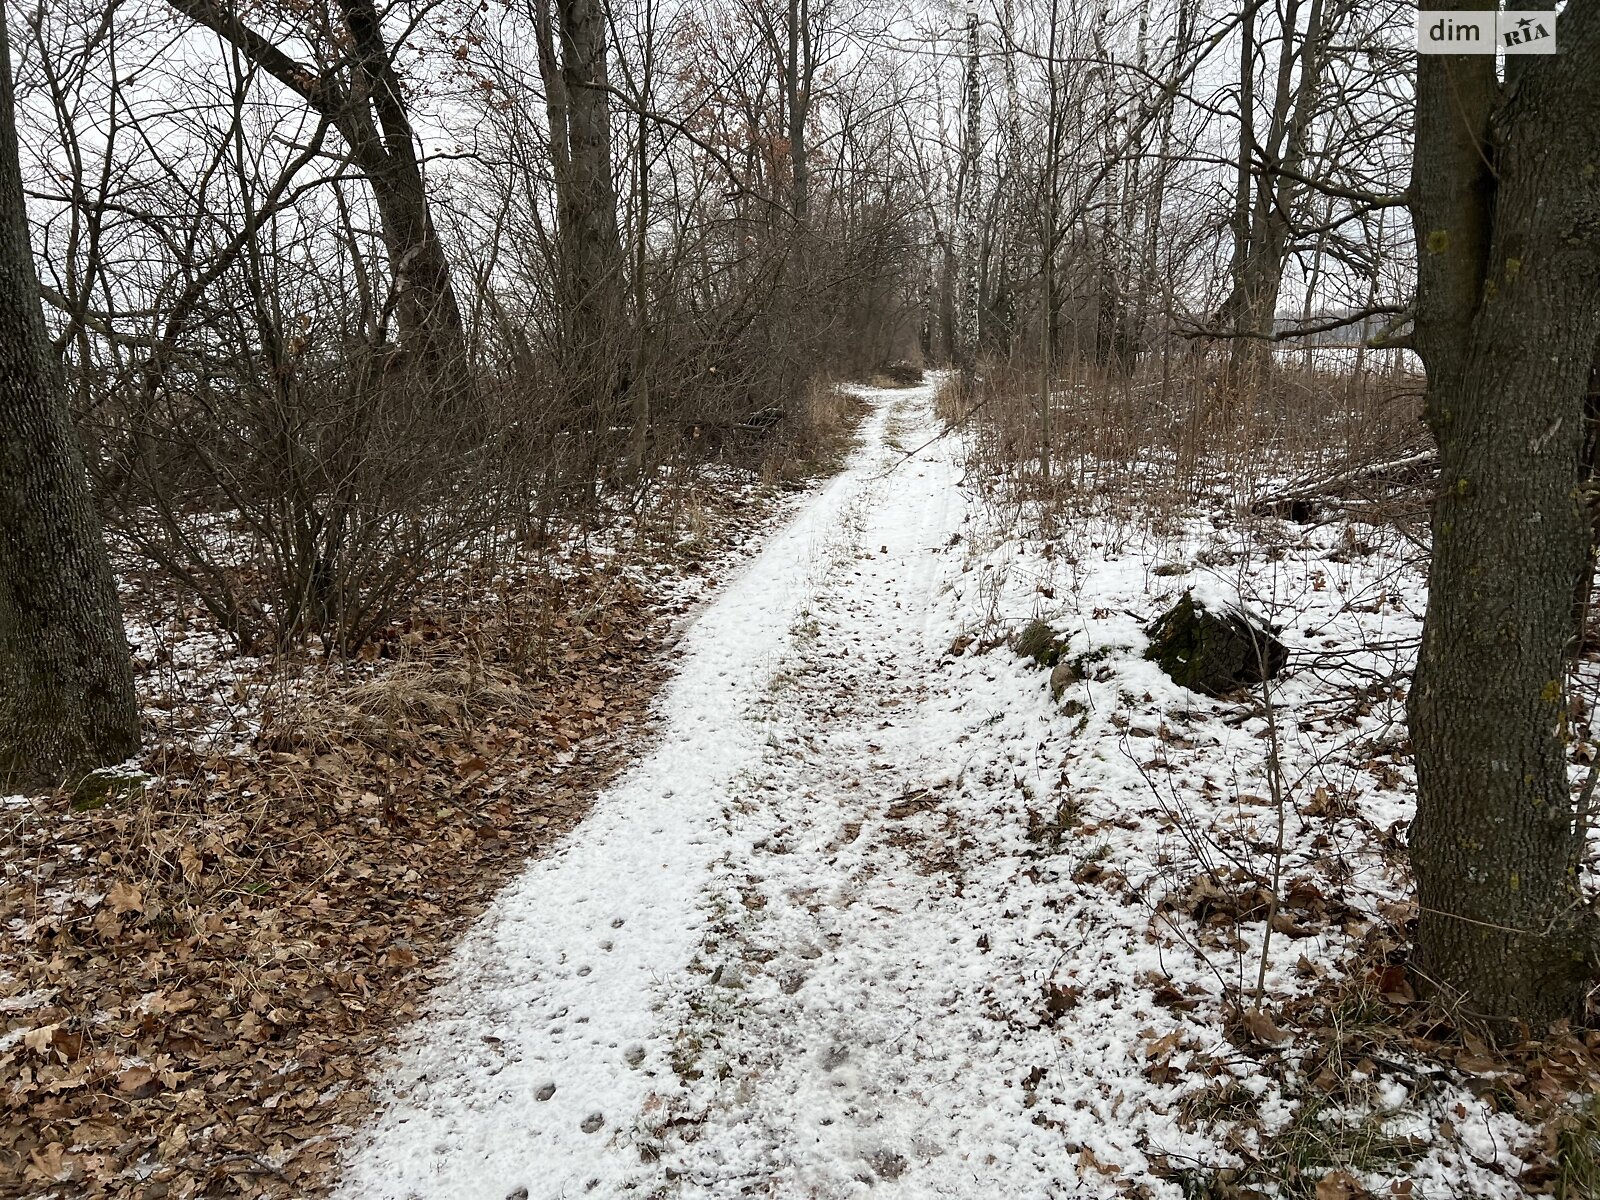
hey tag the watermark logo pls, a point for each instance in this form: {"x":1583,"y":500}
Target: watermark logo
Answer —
{"x":1456,"y":31}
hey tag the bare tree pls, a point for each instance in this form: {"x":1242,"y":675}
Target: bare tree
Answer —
{"x":366,"y":103}
{"x":971,"y":208}
{"x":591,"y":280}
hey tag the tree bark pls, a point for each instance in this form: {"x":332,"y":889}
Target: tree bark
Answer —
{"x":425,"y":298}
{"x":797,"y":103}
{"x":1238,"y":363}
{"x":971,"y":232}
{"x":588,"y":244}
{"x":66,"y":679}
{"x":1266,"y":213}
{"x":1506,"y":206}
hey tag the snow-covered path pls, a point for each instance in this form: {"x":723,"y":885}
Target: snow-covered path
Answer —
{"x":738,"y":976}
{"x":879,"y":916}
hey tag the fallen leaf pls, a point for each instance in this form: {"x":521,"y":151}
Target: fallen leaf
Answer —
{"x":124,"y":897}
{"x":1477,"y":1064}
{"x":1261,"y":1027}
{"x":1163,"y":1046}
{"x":1086,"y":1158}
{"x":1395,"y":986}
{"x":48,"y":1165}
{"x":1341,"y":1185}
{"x":138,"y":1082}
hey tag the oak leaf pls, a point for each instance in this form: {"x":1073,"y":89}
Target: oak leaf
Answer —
{"x":124,"y":898}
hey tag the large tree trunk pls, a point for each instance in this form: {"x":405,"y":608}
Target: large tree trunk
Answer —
{"x":588,"y":245}
{"x":1507,"y":213}
{"x":66,"y":679}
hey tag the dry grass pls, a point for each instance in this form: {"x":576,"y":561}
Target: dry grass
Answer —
{"x":816,"y":445}
{"x":420,"y":695}
{"x":1576,"y":1135}
{"x":1172,"y":433}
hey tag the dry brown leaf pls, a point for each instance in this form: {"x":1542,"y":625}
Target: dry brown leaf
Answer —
{"x":38,"y":1040}
{"x":1395,"y":986}
{"x":192,"y":864}
{"x":138,"y":1081}
{"x":125,"y":898}
{"x":1086,"y":1158}
{"x":49,"y":1164}
{"x":1163,"y":1046}
{"x":1341,"y":1185}
{"x":1262,"y":1028}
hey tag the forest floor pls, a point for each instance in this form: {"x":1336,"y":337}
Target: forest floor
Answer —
{"x":877,"y":914}
{"x":198,"y":975}
{"x":868,"y":911}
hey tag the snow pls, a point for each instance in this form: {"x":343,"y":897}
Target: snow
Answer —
{"x":872,"y":915}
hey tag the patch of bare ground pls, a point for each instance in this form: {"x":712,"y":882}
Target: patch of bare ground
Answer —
{"x":198,"y":972}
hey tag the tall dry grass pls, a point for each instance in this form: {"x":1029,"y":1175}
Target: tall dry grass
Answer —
{"x":1173,"y":432}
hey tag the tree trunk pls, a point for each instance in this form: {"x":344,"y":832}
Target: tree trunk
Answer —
{"x":1239,"y":354}
{"x":971,"y":232}
{"x":1506,"y":207}
{"x":588,"y":243}
{"x":1010,"y":208}
{"x":371,"y":115}
{"x":797,"y":103}
{"x":1266,"y":216}
{"x":66,"y":679}
{"x":1589,"y":475}
{"x":591,"y":199}
{"x":425,"y":298}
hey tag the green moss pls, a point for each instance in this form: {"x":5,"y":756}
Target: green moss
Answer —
{"x":1040,"y":643}
{"x":1212,"y":653}
{"x":108,"y":785}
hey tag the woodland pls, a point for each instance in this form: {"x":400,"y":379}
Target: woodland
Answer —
{"x":798,"y":598}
